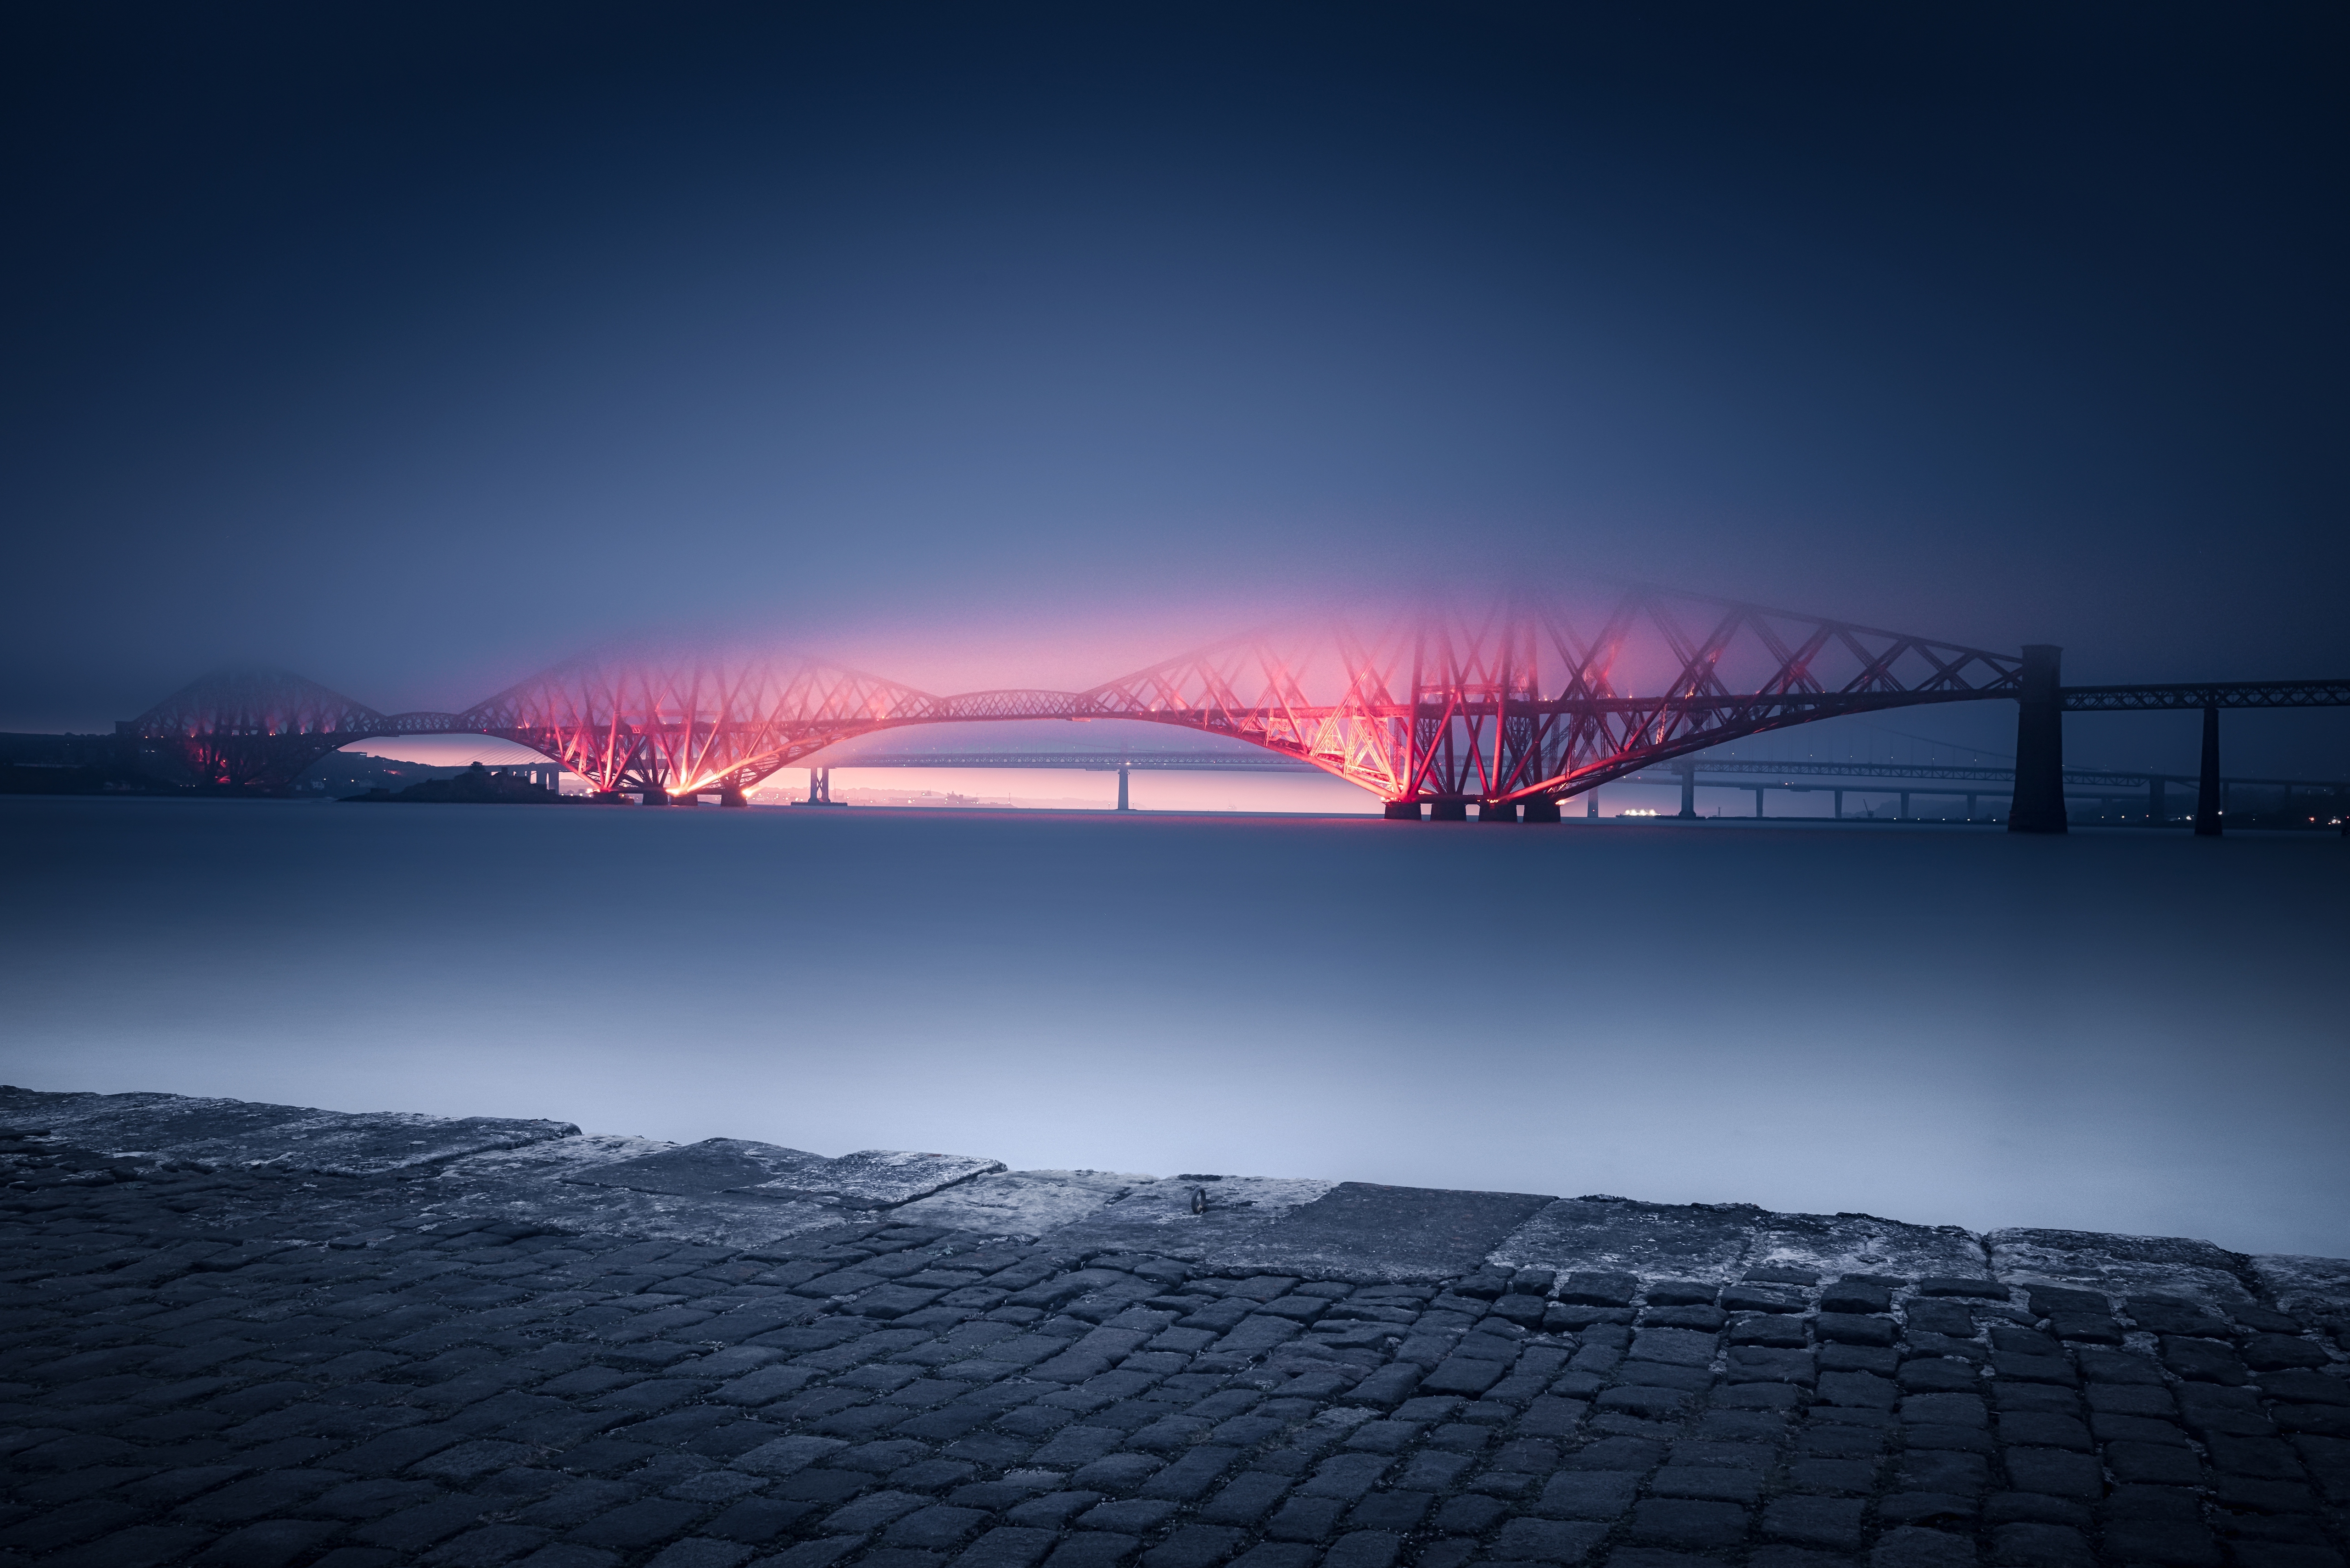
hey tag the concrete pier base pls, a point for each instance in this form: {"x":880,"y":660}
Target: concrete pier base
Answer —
{"x":1497,"y":810}
{"x":1447,"y":811}
{"x":2207,"y":790}
{"x":1402,"y":811}
{"x":2039,"y":744}
{"x":1540,"y":811}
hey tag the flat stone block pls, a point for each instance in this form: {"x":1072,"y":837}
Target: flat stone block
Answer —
{"x":1027,"y":1203}
{"x":1829,"y":1521}
{"x":1546,"y":1541}
{"x":1157,"y":1218}
{"x":2111,"y":1265}
{"x":874,"y":1178}
{"x":1700,"y":1526}
{"x":1588,"y":1494}
{"x":1910,"y":1547}
{"x":1710,"y":1482}
{"x":2054,"y":1472}
{"x":1359,"y":1230}
{"x":2156,"y":1464}
{"x":1619,"y":1236}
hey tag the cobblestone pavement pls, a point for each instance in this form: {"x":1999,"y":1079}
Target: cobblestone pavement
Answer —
{"x":346,"y":1342}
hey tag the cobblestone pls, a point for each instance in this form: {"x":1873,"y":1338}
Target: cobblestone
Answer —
{"x":258,"y":1335}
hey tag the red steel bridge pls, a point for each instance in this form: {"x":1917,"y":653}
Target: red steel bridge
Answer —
{"x":1511,"y":709}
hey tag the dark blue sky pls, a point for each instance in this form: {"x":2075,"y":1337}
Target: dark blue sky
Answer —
{"x":414,"y":346}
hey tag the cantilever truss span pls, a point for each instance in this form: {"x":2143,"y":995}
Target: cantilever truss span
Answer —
{"x":1525,"y":701}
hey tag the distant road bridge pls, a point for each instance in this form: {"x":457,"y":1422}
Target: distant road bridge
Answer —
{"x":1511,"y":709}
{"x":1970,"y":781}
{"x":1905,"y":779}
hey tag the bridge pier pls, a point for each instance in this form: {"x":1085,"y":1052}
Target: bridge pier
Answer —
{"x":732,"y":794}
{"x":1447,"y":811}
{"x":2039,"y":805}
{"x":1689,"y":791}
{"x":2209,"y":804}
{"x":1122,"y":805}
{"x":1542,"y":810}
{"x":1402,"y":811}
{"x":1591,"y":805}
{"x":1839,"y":804}
{"x":1758,"y":801}
{"x":2156,"y":809}
{"x":1497,"y":811}
{"x":657,"y":798}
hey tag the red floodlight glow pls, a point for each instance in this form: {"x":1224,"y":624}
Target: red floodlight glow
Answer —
{"x":1522,"y":702}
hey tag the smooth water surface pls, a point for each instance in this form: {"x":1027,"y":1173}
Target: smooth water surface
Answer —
{"x":2128,"y":1032}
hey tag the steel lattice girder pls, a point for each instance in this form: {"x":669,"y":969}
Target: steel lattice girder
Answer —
{"x":2220,"y":694}
{"x":1524,"y":700}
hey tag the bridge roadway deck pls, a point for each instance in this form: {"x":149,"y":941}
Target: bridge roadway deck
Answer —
{"x":257,"y":1336}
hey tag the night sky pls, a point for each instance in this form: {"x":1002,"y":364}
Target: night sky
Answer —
{"x":415,"y":346}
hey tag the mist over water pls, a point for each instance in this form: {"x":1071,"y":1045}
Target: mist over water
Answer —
{"x":2113,"y":1030}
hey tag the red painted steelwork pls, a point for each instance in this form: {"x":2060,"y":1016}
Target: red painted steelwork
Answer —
{"x":1525,"y":701}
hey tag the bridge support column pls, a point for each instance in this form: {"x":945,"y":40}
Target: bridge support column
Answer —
{"x":1497,"y":811}
{"x":1901,"y":811}
{"x":1447,"y":811}
{"x":1539,"y":810}
{"x":1402,"y":811}
{"x":1839,"y":804}
{"x":2156,"y":809}
{"x":1689,"y":790}
{"x":1122,"y":805}
{"x":657,"y":798}
{"x":2039,"y":805}
{"x":2209,"y":806}
{"x":1758,"y":803}
{"x":732,"y":794}
{"x":1591,"y":804}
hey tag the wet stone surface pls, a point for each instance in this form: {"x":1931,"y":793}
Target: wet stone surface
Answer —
{"x":268,"y":1363}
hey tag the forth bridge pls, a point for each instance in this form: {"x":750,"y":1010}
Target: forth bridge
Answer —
{"x":1509,"y":710}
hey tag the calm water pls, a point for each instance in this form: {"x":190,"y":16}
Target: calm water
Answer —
{"x":2115,"y":1031}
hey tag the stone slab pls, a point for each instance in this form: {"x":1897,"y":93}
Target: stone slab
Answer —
{"x":1831,"y":1245}
{"x":1624,"y":1236}
{"x":1358,"y":1231}
{"x":1159,"y":1219}
{"x":1024,"y":1203}
{"x":2124,"y":1265}
{"x":714,"y":1165}
{"x":141,"y":1123}
{"x":2314,"y":1290}
{"x":381,"y":1141}
{"x":543,"y":1184}
{"x":876,"y":1177}
{"x":868,"y":1179}
{"x":216,"y":1133}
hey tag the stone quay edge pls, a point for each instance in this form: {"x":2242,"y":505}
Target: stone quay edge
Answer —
{"x":257,"y":1336}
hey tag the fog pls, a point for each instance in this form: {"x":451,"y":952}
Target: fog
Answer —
{"x":2116,"y":1031}
{"x":416,"y":349}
